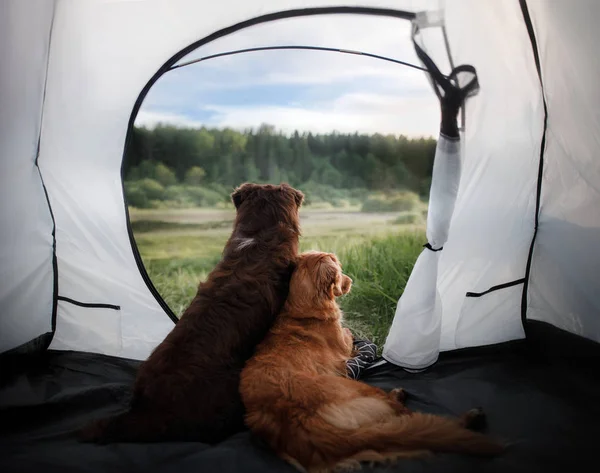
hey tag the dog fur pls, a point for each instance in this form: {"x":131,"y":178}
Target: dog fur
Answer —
{"x":299,"y":400}
{"x":188,"y":389}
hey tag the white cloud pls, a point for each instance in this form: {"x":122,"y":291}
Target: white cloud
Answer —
{"x":383,"y":36}
{"x":365,"y":113}
{"x":292,"y":68}
{"x":150,"y":119}
{"x":379,"y":35}
{"x":367,"y":95}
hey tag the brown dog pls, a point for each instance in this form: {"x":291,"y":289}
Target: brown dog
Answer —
{"x":188,"y":389}
{"x":299,"y":400}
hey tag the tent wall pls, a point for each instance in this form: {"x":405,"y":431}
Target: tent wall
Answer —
{"x":102,"y":55}
{"x":76,"y":70}
{"x":493,"y":219}
{"x":26,"y":252}
{"x":564,"y":284}
{"x":481,"y":268}
{"x":522,"y":238}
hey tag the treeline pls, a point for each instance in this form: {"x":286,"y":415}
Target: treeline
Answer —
{"x":219,"y":159}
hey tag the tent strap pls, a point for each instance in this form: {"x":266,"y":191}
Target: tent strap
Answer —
{"x":298,"y":48}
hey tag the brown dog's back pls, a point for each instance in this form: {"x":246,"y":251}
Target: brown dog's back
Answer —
{"x":188,"y":389}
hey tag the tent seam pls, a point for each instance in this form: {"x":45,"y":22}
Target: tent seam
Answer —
{"x":36,"y":164}
{"x":536,"y":56}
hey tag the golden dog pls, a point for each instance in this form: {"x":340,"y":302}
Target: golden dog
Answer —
{"x":299,"y":400}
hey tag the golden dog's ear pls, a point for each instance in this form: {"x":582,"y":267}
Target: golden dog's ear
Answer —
{"x":330,"y":277}
{"x":241,"y":193}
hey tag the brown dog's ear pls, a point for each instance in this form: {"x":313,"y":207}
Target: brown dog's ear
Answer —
{"x":298,"y":197}
{"x":239,"y":195}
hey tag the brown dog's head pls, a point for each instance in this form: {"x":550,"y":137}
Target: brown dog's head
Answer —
{"x":263,"y":206}
{"x":318,"y":279}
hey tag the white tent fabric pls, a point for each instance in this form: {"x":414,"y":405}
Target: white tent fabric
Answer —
{"x":26,"y":269}
{"x":564,"y":282}
{"x":493,"y":221}
{"x":414,"y":336}
{"x":101,"y":55}
{"x":492,"y":226}
{"x":71,"y":75}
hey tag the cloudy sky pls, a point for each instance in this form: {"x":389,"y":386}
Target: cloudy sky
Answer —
{"x":303,"y":90}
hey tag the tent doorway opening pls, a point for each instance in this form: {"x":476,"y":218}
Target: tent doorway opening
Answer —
{"x":353,"y":132}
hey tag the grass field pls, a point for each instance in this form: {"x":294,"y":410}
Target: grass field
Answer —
{"x":179,"y":247}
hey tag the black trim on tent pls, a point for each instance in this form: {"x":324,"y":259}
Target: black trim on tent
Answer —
{"x":298,"y":48}
{"x":212,"y":37}
{"x":54,"y":259}
{"x":536,"y":56}
{"x":89,"y":305}
{"x":505,"y":285}
{"x":431,"y":248}
{"x":47,"y":339}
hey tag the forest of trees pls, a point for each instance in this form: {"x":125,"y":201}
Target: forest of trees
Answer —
{"x":185,"y":166}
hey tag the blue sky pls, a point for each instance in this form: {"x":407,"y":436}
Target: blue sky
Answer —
{"x":304,"y":90}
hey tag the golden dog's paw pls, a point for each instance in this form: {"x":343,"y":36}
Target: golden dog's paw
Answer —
{"x":398,"y":394}
{"x":474,"y":419}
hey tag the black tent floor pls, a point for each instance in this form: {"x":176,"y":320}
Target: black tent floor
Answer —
{"x":548,"y":410}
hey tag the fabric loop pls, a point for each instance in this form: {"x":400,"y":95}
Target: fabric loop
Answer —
{"x":452,"y":91}
{"x":429,"y":247}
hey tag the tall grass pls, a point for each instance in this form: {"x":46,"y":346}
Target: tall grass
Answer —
{"x":379,"y":267}
{"x":379,"y":270}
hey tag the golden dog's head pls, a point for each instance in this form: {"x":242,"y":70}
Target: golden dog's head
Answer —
{"x":319,"y":277}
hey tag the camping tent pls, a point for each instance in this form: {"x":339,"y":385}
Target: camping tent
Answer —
{"x":518,"y":231}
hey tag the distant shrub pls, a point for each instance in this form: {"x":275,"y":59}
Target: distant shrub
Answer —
{"x":315,"y":192}
{"x":164,"y":175}
{"x":152,"y":188}
{"x":191,"y":196}
{"x":320,"y":205}
{"x":397,"y":202}
{"x":146,"y":168}
{"x":340,"y":203}
{"x":159,"y":204}
{"x":177,"y":196}
{"x":408,"y":218}
{"x":203,"y":197}
{"x":358,"y":193}
{"x":224,"y":205}
{"x":135,"y":196}
{"x":194,"y":176}
{"x":224,"y":191}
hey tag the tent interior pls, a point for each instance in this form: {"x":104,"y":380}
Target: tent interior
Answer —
{"x":502,"y":308}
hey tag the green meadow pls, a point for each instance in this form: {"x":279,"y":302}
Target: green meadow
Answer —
{"x":180,"y":247}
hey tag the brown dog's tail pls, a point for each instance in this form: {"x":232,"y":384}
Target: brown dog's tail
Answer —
{"x":366,"y":429}
{"x":130,"y":426}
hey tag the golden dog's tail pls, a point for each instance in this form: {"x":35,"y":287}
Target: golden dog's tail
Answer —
{"x":367,"y":429}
